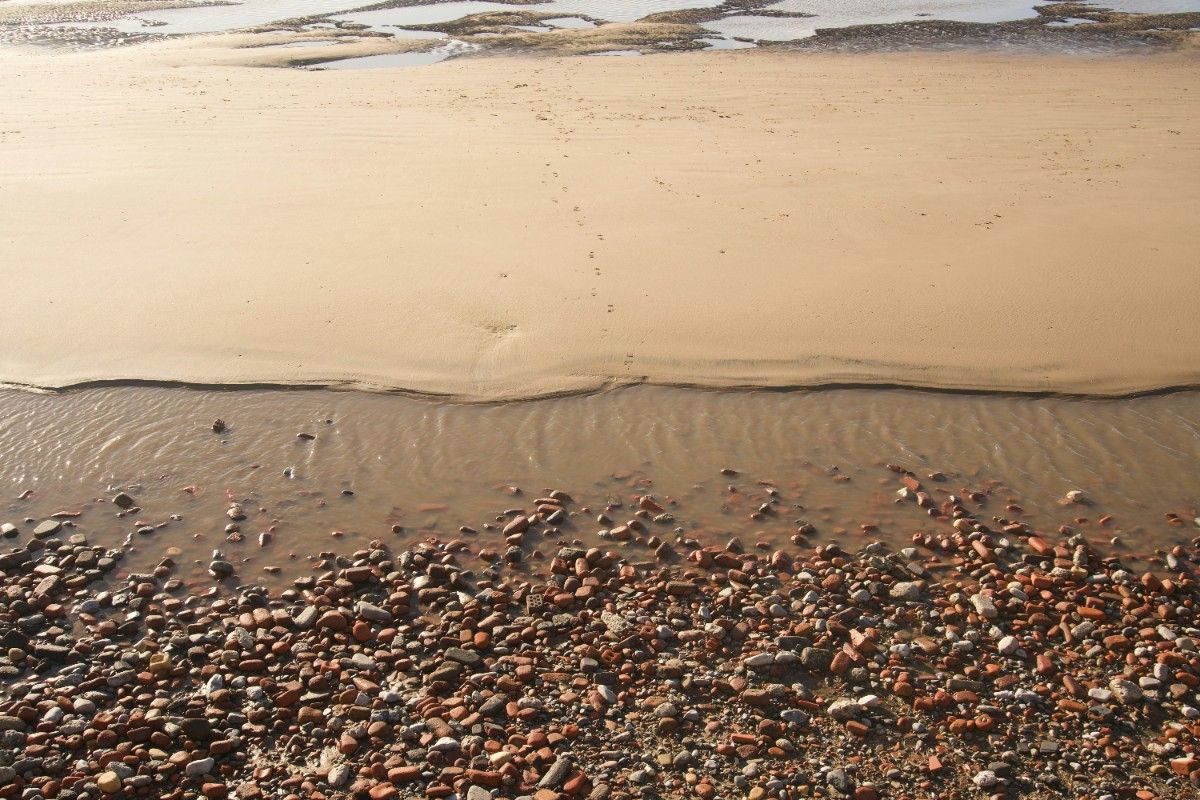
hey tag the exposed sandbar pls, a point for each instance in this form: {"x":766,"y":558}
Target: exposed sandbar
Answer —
{"x":493,"y":228}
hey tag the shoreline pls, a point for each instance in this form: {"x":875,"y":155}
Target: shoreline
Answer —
{"x":295,"y":451}
{"x":603,"y":388}
{"x":369,"y":250}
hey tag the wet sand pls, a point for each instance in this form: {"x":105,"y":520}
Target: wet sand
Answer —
{"x":430,"y":467}
{"x":509,"y":228}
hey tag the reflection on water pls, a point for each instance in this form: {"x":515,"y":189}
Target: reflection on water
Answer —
{"x":415,"y":59}
{"x":844,"y":13}
{"x":620,"y":10}
{"x":422,"y":15}
{"x":431,"y":467}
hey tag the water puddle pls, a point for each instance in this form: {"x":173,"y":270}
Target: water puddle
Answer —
{"x":619,"y":10}
{"x":415,"y":59}
{"x":617,"y":53}
{"x":422,"y":15}
{"x":841,"y":14}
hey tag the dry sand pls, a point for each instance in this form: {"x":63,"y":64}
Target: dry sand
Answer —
{"x":506,"y":227}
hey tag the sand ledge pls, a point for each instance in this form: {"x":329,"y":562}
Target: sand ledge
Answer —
{"x":955,"y":221}
{"x":598,"y":387}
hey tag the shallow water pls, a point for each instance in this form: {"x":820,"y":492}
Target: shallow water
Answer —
{"x":431,"y":466}
{"x":423,"y":15}
{"x":841,"y":14}
{"x":414,"y":59}
{"x":620,"y":10}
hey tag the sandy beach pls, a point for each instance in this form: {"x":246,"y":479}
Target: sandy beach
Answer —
{"x":500,"y":228}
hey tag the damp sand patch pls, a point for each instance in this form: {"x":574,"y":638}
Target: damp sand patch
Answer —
{"x":408,"y":58}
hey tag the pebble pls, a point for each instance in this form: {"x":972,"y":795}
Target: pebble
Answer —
{"x":338,"y":775}
{"x":905,"y":590}
{"x":844,"y":709}
{"x":199,"y":767}
{"x":985,"y":779}
{"x":984,"y":606}
{"x":1125,"y":691}
{"x":108,"y":782}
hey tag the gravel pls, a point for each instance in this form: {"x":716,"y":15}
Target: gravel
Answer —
{"x":1033,"y":665}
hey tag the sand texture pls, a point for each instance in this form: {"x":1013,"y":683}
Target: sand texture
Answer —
{"x":497,"y":228}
